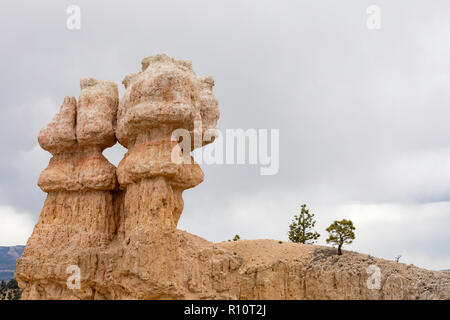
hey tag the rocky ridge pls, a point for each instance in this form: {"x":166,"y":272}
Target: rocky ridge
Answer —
{"x":118,"y":225}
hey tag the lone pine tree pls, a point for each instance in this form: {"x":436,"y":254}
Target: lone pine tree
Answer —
{"x":300,"y":230}
{"x":341,"y":232}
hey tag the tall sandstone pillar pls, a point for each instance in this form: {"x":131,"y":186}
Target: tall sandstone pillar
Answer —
{"x":78,"y":219}
{"x":164,"y":97}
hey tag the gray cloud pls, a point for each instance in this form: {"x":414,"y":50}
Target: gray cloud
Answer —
{"x":362,"y":114}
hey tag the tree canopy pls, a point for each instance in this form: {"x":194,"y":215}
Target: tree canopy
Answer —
{"x":341,"y":232}
{"x":301,"y":228}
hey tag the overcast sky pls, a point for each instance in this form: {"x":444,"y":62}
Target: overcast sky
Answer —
{"x":363,"y":114}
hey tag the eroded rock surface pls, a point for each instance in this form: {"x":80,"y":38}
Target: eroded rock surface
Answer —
{"x":118,"y":225}
{"x":79,"y":218}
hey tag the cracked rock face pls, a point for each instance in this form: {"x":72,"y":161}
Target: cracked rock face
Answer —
{"x":117,"y":226}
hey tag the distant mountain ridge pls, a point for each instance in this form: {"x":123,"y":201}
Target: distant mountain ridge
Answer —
{"x":8,"y":258}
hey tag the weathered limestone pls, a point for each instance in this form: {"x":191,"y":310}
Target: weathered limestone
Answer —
{"x":78,"y":219}
{"x":163,"y":97}
{"x":118,"y":226}
{"x":76,"y":138}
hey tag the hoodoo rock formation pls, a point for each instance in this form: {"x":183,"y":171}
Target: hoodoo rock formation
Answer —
{"x":118,"y":226}
{"x":78,"y":220}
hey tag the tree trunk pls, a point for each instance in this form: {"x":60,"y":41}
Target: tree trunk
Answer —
{"x":339,"y":250}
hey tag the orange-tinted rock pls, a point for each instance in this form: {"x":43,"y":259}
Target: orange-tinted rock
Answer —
{"x":125,"y":242}
{"x":79,"y":217}
{"x":96,"y":113}
{"x":59,"y":134}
